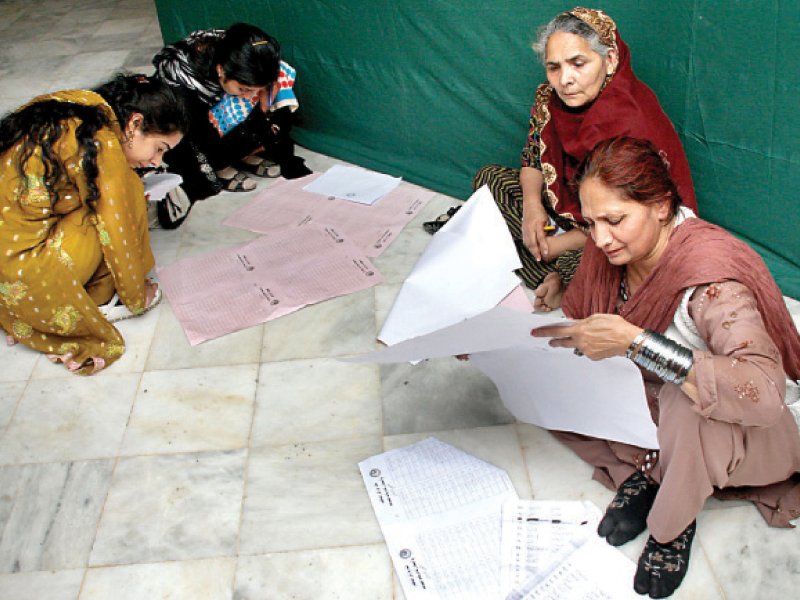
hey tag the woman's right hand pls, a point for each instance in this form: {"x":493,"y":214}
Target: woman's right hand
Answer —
{"x":533,"y":233}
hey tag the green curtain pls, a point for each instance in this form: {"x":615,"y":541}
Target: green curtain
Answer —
{"x":432,"y":89}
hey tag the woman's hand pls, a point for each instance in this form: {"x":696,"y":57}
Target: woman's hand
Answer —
{"x":598,"y":336}
{"x":534,"y":236}
{"x":548,"y":294}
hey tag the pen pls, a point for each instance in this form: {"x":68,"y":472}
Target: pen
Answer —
{"x":558,"y":521}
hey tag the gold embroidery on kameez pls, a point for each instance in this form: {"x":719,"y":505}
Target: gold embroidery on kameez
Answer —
{"x":66,"y":318}
{"x":13,"y":292}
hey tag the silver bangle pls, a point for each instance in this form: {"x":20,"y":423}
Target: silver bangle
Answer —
{"x":662,"y":356}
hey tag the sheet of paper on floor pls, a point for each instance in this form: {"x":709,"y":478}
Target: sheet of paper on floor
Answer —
{"x":595,"y":571}
{"x":440,"y":512}
{"x":285,"y":205}
{"x":353,"y":184}
{"x":549,"y":387}
{"x":538,"y":534}
{"x":158,"y":185}
{"x":234,"y":288}
{"x":467,"y":268}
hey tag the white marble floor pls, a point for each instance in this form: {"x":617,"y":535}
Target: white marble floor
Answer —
{"x":228,"y":470}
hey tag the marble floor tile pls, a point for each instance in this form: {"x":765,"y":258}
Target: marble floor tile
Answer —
{"x":192,"y":410}
{"x":336,"y":327}
{"x":442,"y":393}
{"x":49,"y":513}
{"x":170,"y":349}
{"x":749,"y":558}
{"x":118,"y":24}
{"x":42,"y":585}
{"x":210,"y":579}
{"x":556,"y":472}
{"x":10,"y":393}
{"x":89,"y":69}
{"x":385,"y":295}
{"x":315,"y":401}
{"x":171,"y":507}
{"x":308,"y":495}
{"x":359,"y":572}
{"x":498,"y":446}
{"x":18,"y":360}
{"x":73,"y":418}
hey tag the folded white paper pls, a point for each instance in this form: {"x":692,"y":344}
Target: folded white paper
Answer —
{"x":467,"y":268}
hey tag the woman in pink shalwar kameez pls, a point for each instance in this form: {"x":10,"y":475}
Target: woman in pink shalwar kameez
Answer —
{"x":698,"y":310}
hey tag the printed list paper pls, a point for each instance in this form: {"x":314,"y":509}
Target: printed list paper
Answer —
{"x":285,"y":205}
{"x":234,"y":288}
{"x":440,"y":512}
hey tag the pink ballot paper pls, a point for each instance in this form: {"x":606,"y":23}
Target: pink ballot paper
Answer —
{"x":286,"y":205}
{"x":234,"y":288}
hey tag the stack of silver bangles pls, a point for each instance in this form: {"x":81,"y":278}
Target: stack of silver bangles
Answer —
{"x":661,"y":355}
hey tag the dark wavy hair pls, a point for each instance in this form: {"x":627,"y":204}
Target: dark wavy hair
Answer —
{"x":248,"y":55}
{"x":633,"y":166}
{"x":39,"y":125}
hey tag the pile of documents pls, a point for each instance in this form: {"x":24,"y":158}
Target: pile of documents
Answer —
{"x":456,"y":530}
{"x":319,"y":234}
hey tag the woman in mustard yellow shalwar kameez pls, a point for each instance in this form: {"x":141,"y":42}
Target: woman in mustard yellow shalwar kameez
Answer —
{"x":73,"y":215}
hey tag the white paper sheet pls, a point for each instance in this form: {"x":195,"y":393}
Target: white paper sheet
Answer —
{"x":234,"y":288}
{"x":353,"y":184}
{"x":595,"y":571}
{"x":286,"y":205}
{"x":549,"y":387}
{"x":539,"y":534}
{"x":158,"y":185}
{"x":467,"y":268}
{"x":440,"y":512}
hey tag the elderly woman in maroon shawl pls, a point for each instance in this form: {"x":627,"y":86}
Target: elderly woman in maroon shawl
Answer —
{"x":591,"y":95}
{"x":698,"y":311}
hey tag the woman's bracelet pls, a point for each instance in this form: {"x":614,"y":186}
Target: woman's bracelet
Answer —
{"x":661,"y":355}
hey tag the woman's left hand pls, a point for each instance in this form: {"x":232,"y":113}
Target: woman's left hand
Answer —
{"x":598,"y":336}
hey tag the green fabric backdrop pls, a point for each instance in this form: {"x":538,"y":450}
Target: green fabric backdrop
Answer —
{"x":433,"y":89}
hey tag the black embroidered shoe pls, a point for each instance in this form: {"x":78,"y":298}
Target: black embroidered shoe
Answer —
{"x":662,"y":567}
{"x":626,"y":515}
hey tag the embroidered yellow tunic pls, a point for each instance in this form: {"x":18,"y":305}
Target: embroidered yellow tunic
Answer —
{"x":59,"y":258}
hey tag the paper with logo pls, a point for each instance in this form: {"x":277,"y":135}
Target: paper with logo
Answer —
{"x":440,"y":512}
{"x":353,"y":184}
{"x":286,"y":205}
{"x":234,"y":288}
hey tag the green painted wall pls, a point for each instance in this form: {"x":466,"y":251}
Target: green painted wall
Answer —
{"x":433,"y":89}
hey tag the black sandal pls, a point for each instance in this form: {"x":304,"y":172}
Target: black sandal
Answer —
{"x":440,"y":221}
{"x":237,"y":183}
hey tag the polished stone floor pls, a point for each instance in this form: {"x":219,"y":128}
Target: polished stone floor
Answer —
{"x":228,"y":470}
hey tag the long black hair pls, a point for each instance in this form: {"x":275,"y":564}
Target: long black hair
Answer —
{"x":247,"y":55}
{"x":39,"y":125}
